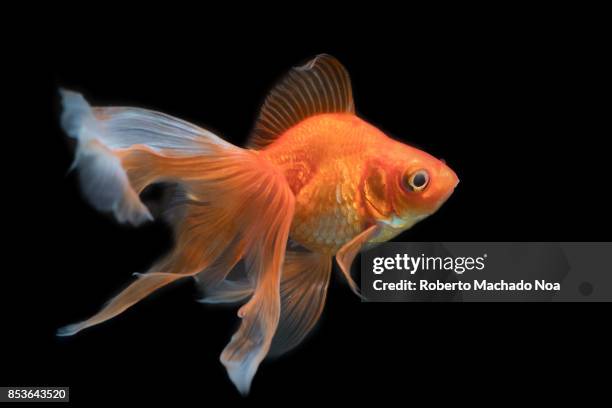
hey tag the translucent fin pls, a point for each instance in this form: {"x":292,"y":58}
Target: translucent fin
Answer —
{"x":223,"y":213}
{"x":201,"y":239}
{"x":228,"y":291}
{"x":216,"y":288}
{"x":349,"y":251}
{"x":142,"y":287}
{"x":106,"y":135}
{"x":105,"y":184}
{"x":303,"y":291}
{"x":320,"y":86}
{"x":268,"y":239}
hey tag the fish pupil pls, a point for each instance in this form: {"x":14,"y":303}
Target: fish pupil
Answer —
{"x":419,"y":180}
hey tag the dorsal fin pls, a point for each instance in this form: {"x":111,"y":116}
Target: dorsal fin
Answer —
{"x":322,"y":85}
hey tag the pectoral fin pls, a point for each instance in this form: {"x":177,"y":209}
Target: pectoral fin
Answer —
{"x":349,"y":251}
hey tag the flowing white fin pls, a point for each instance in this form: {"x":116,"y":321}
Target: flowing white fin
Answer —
{"x":104,"y":134}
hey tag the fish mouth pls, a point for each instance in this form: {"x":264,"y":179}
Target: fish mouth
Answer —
{"x":449,"y":193}
{"x":449,"y":181}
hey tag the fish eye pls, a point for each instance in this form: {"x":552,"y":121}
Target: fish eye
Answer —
{"x":416,"y":181}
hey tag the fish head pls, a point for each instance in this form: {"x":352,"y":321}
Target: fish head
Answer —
{"x":403,"y":186}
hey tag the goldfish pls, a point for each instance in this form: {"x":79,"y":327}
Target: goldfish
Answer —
{"x":314,"y":182}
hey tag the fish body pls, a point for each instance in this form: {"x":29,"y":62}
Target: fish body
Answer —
{"x":346,"y":175}
{"x":313,"y":174}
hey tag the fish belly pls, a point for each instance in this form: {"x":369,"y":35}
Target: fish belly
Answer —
{"x":327,"y":213}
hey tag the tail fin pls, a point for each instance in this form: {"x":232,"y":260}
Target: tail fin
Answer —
{"x":234,"y":205}
{"x":106,"y":135}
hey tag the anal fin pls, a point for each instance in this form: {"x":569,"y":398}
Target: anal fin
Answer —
{"x":303,"y":292}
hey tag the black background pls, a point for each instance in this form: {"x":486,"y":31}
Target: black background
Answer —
{"x":512,"y":109}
